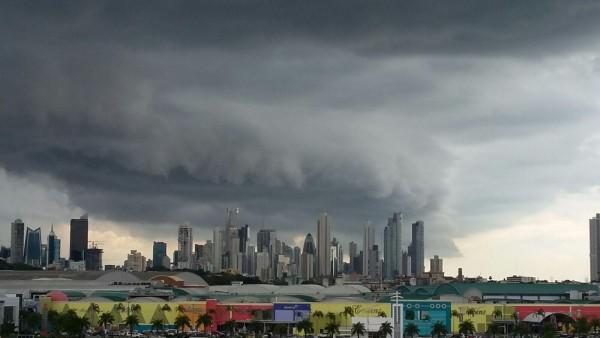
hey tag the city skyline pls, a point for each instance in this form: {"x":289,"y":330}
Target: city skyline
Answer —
{"x":483,"y":125}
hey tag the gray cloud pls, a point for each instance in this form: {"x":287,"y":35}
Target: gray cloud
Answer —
{"x":158,"y":114}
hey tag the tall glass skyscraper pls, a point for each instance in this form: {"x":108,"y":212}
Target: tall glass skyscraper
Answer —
{"x":53,"y":247}
{"x":159,"y":251}
{"x":17,"y":237}
{"x":323,"y":246}
{"x":79,"y":238}
{"x":595,"y":248}
{"x":185,"y":243}
{"x":392,"y":247}
{"x":417,"y":254}
{"x":33,"y":247}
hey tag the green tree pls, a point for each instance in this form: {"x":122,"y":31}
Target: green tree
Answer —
{"x":157,"y":325}
{"x":132,"y":321}
{"x":497,"y":313}
{"x":548,"y":331}
{"x":385,"y":329}
{"x":470,"y":312}
{"x":306,"y":326}
{"x":332,"y":328}
{"x":595,"y":324}
{"x":458,"y":315}
{"x":181,"y":321}
{"x":582,"y":327}
{"x":331,"y":316}
{"x":358,"y":329}
{"x":411,"y":330}
{"x":348,"y":312}
{"x":493,"y":329}
{"x":318,"y":315}
{"x":229,"y":326}
{"x":205,"y":320}
{"x":105,"y":319}
{"x":255,"y":327}
{"x":466,"y":327}
{"x":53,"y":321}
{"x":280,"y":329}
{"x":381,"y":314}
{"x":93,"y":310}
{"x":439,"y":329}
{"x":30,"y":321}
{"x":522,"y":329}
{"x":7,"y":329}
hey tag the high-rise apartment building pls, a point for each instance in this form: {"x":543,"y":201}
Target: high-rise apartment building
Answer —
{"x":135,"y":262}
{"x":392,"y":247}
{"x":93,"y":259}
{"x":232,"y":244}
{"x":368,"y":242}
{"x":334,"y":256}
{"x":159,"y":251}
{"x":323,"y":243}
{"x":436,"y":266}
{"x":353,"y":253}
{"x":417,"y":253}
{"x":53,"y":247}
{"x":244,"y":236}
{"x":265,"y":239}
{"x":594,"y":248}
{"x":307,"y":264}
{"x":374,"y":265}
{"x":33,"y":247}
{"x":185,"y":246}
{"x":17,"y":239}
{"x":78,"y":238}
{"x":218,"y":241}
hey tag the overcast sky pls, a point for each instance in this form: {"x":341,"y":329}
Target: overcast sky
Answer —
{"x":478,"y":118}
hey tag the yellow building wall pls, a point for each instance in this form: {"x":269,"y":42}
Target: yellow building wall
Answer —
{"x":483,"y":315}
{"x":360,"y":310}
{"x":147,"y":312}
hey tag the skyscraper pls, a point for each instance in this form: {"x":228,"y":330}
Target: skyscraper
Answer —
{"x":594,"y":248}
{"x":417,"y":254}
{"x":185,"y":243}
{"x":334,"y":256}
{"x":93,"y":258}
{"x":17,"y":238}
{"x":78,"y":238}
{"x":53,"y":247}
{"x":436,"y":266}
{"x":265,"y":238}
{"x":231,"y":245}
{"x":159,"y":251}
{"x":368,"y":242}
{"x":307,"y":264}
{"x":33,"y":247}
{"x":218,"y":239}
{"x":392,"y":246}
{"x":323,"y":242}
{"x":244,"y":236}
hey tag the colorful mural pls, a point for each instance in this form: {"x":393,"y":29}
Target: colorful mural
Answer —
{"x":424,"y":314}
{"x":480,"y":314}
{"x":358,"y":309}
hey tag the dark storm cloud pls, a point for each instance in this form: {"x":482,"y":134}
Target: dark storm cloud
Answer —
{"x":169,"y":112}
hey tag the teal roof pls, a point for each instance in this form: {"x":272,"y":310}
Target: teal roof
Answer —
{"x":495,"y":288}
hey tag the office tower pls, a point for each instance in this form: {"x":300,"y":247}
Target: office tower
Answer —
{"x":250,"y":260}
{"x":159,"y":251}
{"x":358,"y":263}
{"x":323,"y":243}
{"x":185,"y":242}
{"x":368,"y":242}
{"x":263,"y":263}
{"x":218,"y":239}
{"x":406,"y":264}
{"x":392,"y":246}
{"x":594,"y":248}
{"x":309,"y":250}
{"x":33,"y":247}
{"x":53,"y":247}
{"x":265,"y":238}
{"x":417,"y":253}
{"x":334,"y":254}
{"x":44,"y":255}
{"x":135,"y":262}
{"x":79,"y":238}
{"x":175,"y":258}
{"x":93,"y":259}
{"x":5,"y":253}
{"x":244,"y":236}
{"x":352,"y":252}
{"x":374,"y":264}
{"x":231,"y":247}
{"x":436,"y":266}
{"x":17,"y":239}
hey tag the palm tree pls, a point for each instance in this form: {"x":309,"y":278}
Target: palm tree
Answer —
{"x":229,"y":326}
{"x":105,"y":319}
{"x":458,"y":315}
{"x":157,"y":324}
{"x":522,"y":329}
{"x":131,"y":321}
{"x":358,"y":329}
{"x":330,"y":316}
{"x":582,"y":326}
{"x":438,"y":329}
{"x":93,"y":309}
{"x":381,"y":314}
{"x":348,"y":312}
{"x":385,"y":329}
{"x":120,"y":307}
{"x":497,"y":313}
{"x":306,"y":326}
{"x":332,"y":328}
{"x":466,"y":327}
{"x":411,"y":330}
{"x":180,"y":308}
{"x":205,"y":320}
{"x":470,"y":312}
{"x":182,"y":321}
{"x":493,"y":329}
{"x":84,"y":324}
